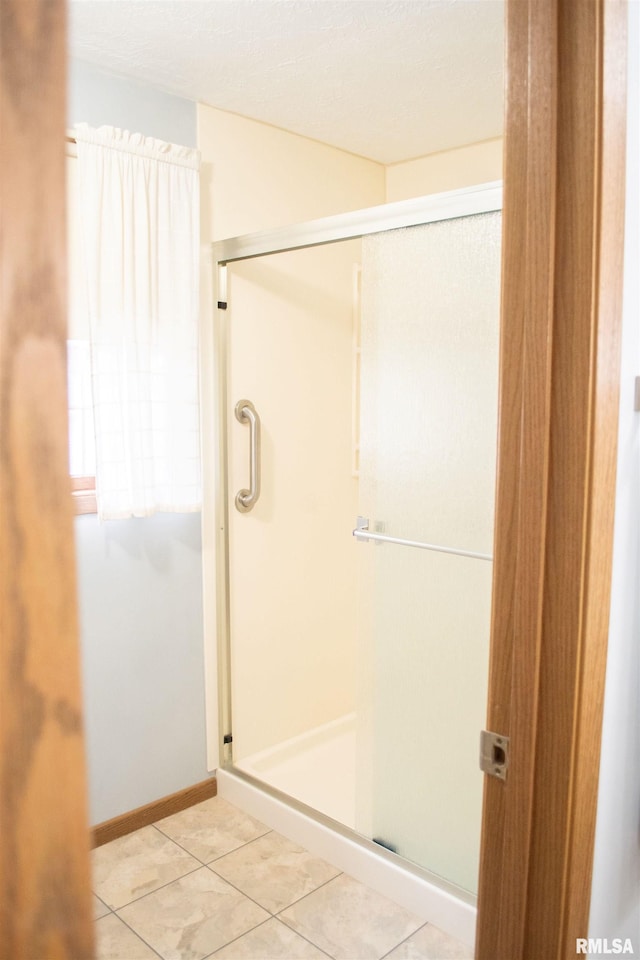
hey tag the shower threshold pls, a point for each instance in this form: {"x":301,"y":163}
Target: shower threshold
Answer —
{"x":446,"y":906}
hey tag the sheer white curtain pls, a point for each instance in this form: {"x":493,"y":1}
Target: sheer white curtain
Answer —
{"x":139,"y":200}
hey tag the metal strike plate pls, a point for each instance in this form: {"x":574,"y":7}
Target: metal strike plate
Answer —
{"x":494,"y":754}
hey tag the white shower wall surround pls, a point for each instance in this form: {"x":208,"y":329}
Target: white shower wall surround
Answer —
{"x":400,"y":765}
{"x":317,"y":767}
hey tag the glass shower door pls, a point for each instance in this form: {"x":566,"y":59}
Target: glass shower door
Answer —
{"x":429,"y":393}
{"x":359,"y":664}
{"x":292,"y":572}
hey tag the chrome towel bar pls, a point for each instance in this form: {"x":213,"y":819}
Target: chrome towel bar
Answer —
{"x":362,"y":532}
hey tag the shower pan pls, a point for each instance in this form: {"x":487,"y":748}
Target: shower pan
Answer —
{"x":357,"y":391}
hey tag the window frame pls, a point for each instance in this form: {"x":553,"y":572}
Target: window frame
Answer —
{"x":83,"y":494}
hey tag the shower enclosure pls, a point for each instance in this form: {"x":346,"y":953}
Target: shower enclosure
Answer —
{"x":357,"y":399}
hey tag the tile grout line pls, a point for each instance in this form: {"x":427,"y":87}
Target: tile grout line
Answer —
{"x":212,"y":956}
{"x":304,"y":897}
{"x":239,"y":937}
{"x":209,"y":865}
{"x":136,"y":899}
{"x":155,"y":889}
{"x":164,"y":837}
{"x":408,"y":937}
{"x":272,"y":916}
{"x":278,"y":916}
{"x":200,"y":866}
{"x":171,"y":840}
{"x":135,"y":933}
{"x":205,"y":863}
{"x":241,"y":892}
{"x":105,"y":905}
{"x":302,"y":935}
{"x":247,"y":843}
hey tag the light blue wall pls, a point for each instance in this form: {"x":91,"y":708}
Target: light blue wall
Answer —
{"x":139,"y":581}
{"x":96,"y":98}
{"x":140,"y":589}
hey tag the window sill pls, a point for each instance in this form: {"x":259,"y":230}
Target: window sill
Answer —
{"x":83,"y":494}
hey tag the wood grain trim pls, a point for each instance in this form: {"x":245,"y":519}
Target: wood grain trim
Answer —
{"x":550,"y":621}
{"x":584,"y":434}
{"x":83,"y":495}
{"x":611,"y":107}
{"x":45,"y":898}
{"x":151,"y":812}
{"x":84,"y":503}
{"x":525,"y":290}
{"x":82,"y":484}
{"x":533,"y":456}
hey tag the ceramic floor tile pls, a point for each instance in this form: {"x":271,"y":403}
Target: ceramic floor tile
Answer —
{"x":115,"y":941}
{"x":349,"y":921}
{"x":99,"y":908}
{"x":270,"y":941}
{"x":192,"y":917}
{"x":429,"y":943}
{"x":132,"y":866}
{"x":212,"y":828}
{"x":274,"y":871}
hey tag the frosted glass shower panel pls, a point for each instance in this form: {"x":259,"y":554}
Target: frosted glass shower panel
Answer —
{"x":429,"y":381}
{"x":429,"y":393}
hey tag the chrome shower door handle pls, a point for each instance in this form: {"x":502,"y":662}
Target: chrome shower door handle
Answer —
{"x":246,"y":413}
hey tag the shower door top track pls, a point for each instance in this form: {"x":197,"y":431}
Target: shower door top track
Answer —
{"x":484,"y":198}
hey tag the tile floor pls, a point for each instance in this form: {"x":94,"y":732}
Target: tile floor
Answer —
{"x":213,"y":882}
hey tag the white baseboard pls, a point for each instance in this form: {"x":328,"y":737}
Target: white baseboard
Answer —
{"x":422,"y":897}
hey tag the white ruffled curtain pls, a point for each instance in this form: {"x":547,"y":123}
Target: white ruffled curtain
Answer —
{"x":139,"y":201}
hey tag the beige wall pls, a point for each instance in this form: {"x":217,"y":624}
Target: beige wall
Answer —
{"x":449,"y":170}
{"x":256,"y":177}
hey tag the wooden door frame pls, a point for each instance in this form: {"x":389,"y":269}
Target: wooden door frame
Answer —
{"x":45,"y":892}
{"x":563,"y":221}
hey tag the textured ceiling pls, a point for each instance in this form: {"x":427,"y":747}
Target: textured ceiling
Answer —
{"x":384,"y":79}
